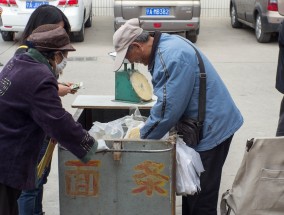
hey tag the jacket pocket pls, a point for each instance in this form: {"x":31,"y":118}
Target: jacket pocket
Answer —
{"x":269,"y":192}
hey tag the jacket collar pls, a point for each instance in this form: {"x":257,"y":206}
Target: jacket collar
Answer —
{"x":36,"y":55}
{"x":156,"y":41}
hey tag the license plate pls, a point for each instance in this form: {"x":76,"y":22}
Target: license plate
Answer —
{"x":34,"y":4}
{"x":161,"y":11}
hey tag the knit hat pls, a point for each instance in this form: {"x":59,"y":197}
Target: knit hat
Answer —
{"x":50,"y":37}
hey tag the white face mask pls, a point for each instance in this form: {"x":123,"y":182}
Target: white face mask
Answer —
{"x":59,"y":67}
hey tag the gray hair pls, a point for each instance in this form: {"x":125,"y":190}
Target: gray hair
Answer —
{"x":142,"y":38}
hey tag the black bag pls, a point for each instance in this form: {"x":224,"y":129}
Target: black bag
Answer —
{"x":190,"y":129}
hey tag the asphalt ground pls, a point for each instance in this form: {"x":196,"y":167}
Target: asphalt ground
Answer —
{"x":247,"y":68}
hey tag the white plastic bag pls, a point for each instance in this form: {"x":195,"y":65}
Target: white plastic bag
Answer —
{"x":118,"y":128}
{"x":188,"y":169}
{"x":102,"y":145}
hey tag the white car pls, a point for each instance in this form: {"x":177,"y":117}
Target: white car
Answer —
{"x":16,"y":14}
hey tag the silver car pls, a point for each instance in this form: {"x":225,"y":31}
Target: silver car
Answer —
{"x":262,"y":15}
{"x":163,"y":15}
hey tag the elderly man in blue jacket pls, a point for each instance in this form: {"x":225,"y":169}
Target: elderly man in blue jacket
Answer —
{"x":30,"y":108}
{"x":174,"y":66}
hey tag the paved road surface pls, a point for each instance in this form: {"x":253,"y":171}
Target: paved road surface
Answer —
{"x":247,"y":68}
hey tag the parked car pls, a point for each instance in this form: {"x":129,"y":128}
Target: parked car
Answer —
{"x":262,"y":15}
{"x":166,"y":16}
{"x":16,"y":14}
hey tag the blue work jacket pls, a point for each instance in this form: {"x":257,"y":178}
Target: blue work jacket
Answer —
{"x":175,"y":78}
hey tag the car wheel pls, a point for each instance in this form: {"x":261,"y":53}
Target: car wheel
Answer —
{"x":7,"y":35}
{"x":79,"y":35}
{"x":90,"y":19}
{"x":234,"y":18}
{"x":260,"y":35}
{"x":191,"y":36}
{"x":114,"y":27}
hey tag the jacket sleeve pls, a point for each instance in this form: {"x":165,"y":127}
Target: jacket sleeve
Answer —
{"x":173,"y":85}
{"x":48,"y":113}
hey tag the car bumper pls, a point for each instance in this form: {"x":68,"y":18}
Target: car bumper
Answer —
{"x":14,"y":20}
{"x":272,"y":21}
{"x":11,"y":22}
{"x":165,"y":25}
{"x":75,"y":17}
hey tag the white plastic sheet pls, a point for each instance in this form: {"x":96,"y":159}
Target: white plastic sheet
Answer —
{"x":102,"y":145}
{"x":117,"y":129}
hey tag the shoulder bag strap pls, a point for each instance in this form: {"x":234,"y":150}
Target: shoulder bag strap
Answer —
{"x":202,"y":88}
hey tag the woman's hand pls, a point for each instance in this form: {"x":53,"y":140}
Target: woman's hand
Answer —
{"x":64,"y":89}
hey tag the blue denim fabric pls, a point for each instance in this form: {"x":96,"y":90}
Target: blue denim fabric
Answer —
{"x":26,"y":202}
{"x":30,"y":201}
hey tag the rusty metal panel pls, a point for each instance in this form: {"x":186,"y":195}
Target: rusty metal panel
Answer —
{"x":138,"y":181}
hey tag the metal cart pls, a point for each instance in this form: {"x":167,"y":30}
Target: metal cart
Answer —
{"x":134,"y":177}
